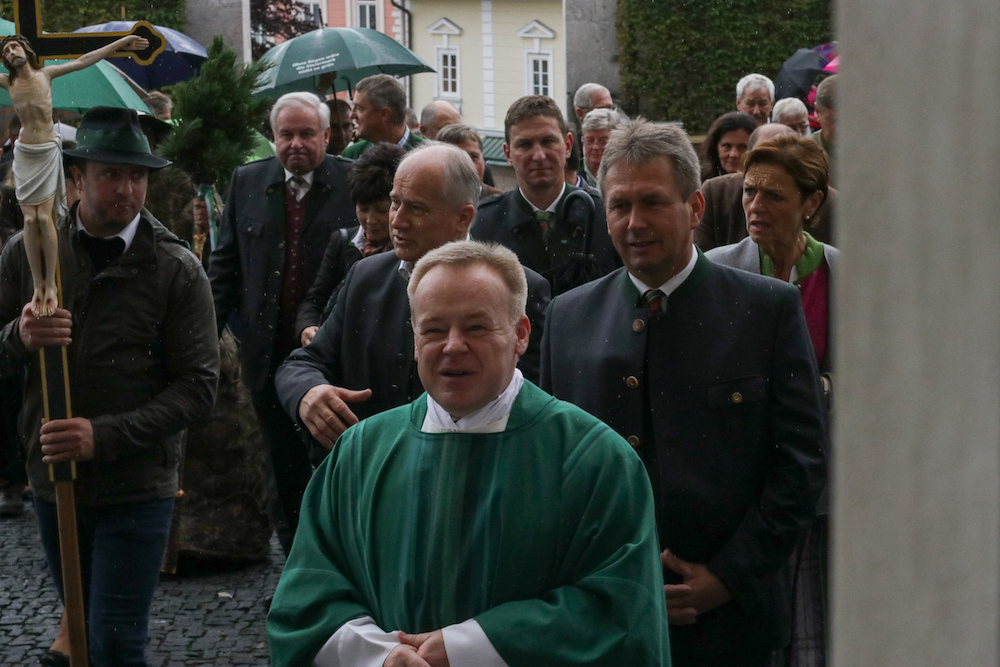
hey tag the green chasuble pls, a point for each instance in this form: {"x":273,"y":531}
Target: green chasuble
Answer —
{"x":543,"y":533}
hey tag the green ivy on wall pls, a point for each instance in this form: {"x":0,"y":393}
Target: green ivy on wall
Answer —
{"x":681,"y":59}
{"x":68,"y":15}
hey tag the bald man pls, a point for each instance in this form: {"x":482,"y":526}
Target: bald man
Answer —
{"x":436,"y":115}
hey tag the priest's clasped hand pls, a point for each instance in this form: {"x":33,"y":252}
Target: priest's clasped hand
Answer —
{"x":67,"y":440}
{"x":324,"y":411}
{"x":424,"y":650}
{"x":39,"y":332}
{"x":701,"y":591}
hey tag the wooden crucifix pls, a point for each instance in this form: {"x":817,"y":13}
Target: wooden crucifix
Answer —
{"x":38,"y":175}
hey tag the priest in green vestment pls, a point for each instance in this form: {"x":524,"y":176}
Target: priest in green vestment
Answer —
{"x":486,"y":523}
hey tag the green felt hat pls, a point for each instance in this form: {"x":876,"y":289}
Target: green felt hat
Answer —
{"x":113,"y":135}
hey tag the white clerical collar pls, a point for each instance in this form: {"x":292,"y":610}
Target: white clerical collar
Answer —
{"x":308,"y":178}
{"x":127,"y":234}
{"x":552,"y":206}
{"x":406,"y":137}
{"x":671,"y":284}
{"x":492,"y":418}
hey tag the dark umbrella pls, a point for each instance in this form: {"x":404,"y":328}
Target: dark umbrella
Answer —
{"x":798,"y":73}
{"x":335,"y":58}
{"x":180,"y":61}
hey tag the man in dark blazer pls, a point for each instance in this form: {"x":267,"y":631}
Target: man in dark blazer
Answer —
{"x":709,"y":373}
{"x":360,"y":362}
{"x":278,"y":220}
{"x":725,"y":222}
{"x":538,"y":220}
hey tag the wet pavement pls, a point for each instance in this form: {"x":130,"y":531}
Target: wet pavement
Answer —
{"x":205,"y":615}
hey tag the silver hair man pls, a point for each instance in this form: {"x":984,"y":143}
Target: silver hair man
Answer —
{"x":793,"y":113}
{"x":302,"y":101}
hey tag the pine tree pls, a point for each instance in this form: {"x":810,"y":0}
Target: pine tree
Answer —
{"x":217,"y":117}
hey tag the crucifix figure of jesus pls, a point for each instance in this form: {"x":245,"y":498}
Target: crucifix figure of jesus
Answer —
{"x":38,"y":169}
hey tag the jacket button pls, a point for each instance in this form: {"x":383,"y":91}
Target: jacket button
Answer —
{"x":270,"y":327}
{"x":737,"y":397}
{"x":281,"y":245}
{"x":633,"y":440}
{"x":631,"y":382}
{"x":277,"y":274}
{"x":273,"y":300}
{"x":639,"y":325}
{"x":135,"y":271}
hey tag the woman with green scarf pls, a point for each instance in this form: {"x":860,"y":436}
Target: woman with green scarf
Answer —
{"x":785,"y":180}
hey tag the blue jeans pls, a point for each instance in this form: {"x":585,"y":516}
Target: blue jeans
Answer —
{"x":121,"y":547}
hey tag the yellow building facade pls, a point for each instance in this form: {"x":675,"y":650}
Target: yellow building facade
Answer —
{"x":488,"y":53}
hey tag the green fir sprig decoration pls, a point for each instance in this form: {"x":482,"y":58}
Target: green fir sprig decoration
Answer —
{"x":217,"y":117}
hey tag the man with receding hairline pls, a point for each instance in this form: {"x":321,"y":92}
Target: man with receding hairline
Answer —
{"x":436,"y":115}
{"x":360,"y":363}
{"x":379,"y":114}
{"x":277,"y":223}
{"x":485,"y":523}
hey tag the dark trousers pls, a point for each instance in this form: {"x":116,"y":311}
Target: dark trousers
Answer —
{"x":11,"y":456}
{"x":121,"y":547}
{"x":289,"y":469}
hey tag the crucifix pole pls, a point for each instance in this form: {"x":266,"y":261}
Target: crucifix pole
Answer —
{"x":53,"y":361}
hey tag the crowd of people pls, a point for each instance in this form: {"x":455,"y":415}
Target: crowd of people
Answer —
{"x":583,"y":420}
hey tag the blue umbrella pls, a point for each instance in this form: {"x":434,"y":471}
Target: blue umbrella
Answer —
{"x":180,"y":61}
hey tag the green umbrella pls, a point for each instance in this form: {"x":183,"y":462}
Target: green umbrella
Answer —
{"x":350,"y":53}
{"x":98,"y":85}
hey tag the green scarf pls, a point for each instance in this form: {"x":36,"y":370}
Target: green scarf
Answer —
{"x":809,"y":262}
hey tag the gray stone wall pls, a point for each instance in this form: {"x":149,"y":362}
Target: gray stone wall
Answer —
{"x":916,"y":480}
{"x":591,"y":46}
{"x":229,"y":18}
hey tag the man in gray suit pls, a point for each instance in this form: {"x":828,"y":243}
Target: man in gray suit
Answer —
{"x":278,"y":221}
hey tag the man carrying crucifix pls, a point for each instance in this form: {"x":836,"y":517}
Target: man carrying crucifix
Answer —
{"x":38,"y":170}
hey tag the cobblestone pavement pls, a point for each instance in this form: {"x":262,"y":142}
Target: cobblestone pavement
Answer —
{"x":202,"y":616}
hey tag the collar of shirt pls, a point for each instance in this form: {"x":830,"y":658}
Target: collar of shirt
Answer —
{"x":492,"y":418}
{"x":552,"y":206}
{"x":127,"y":234}
{"x":579,"y":181}
{"x":406,"y":137}
{"x":359,"y":240}
{"x":308,"y":178}
{"x":671,"y":284}
{"x":406,"y":268}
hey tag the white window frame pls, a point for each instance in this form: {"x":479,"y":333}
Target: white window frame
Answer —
{"x":536,"y":31}
{"x":372,"y":4}
{"x":447,"y":33}
{"x":439,"y":51}
{"x":320,"y":6}
{"x":530,"y":58}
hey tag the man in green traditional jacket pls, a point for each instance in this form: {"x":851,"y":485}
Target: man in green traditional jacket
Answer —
{"x":485,"y":523}
{"x":380,"y":115}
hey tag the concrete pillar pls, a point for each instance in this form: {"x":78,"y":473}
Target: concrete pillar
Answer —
{"x":591,"y":46}
{"x":229,"y":18}
{"x":916,"y":544}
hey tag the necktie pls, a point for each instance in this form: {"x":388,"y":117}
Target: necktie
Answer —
{"x":298,"y":186}
{"x":654,"y":301}
{"x":543,"y":218}
{"x":102,"y":251}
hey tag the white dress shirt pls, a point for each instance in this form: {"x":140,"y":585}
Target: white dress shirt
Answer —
{"x":127,"y":234}
{"x":671,"y":284}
